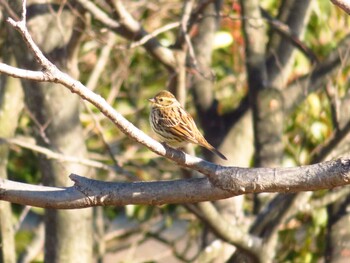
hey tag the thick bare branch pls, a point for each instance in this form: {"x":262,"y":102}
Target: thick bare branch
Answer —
{"x":285,"y":180}
{"x":88,"y":192}
{"x":234,"y":181}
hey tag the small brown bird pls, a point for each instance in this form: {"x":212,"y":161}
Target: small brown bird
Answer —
{"x":174,"y":125}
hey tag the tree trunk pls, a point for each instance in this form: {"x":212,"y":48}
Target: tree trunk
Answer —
{"x":11,"y":104}
{"x":55,"y":111}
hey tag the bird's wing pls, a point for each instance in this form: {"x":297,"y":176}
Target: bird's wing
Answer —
{"x":185,"y":126}
{"x":166,"y":122}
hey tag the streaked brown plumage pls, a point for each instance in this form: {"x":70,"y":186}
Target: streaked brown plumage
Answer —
{"x":174,"y":125}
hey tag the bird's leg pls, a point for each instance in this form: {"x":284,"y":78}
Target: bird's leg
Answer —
{"x":165,"y":144}
{"x":176,"y":148}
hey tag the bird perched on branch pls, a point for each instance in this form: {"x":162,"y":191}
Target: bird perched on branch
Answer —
{"x":174,"y":125}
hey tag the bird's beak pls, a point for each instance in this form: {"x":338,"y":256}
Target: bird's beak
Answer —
{"x":151,"y":100}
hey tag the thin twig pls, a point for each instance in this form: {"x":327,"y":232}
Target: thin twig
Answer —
{"x":99,"y":14}
{"x":285,"y":31}
{"x":101,"y":134}
{"x":23,"y":215}
{"x":129,"y":28}
{"x":329,"y":198}
{"x":184,"y":29}
{"x":61,"y":157}
{"x":155,"y":33}
{"x":322,"y":150}
{"x":101,"y":62}
{"x":8,"y":9}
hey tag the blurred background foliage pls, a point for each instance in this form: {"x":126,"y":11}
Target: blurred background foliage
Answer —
{"x":131,"y":76}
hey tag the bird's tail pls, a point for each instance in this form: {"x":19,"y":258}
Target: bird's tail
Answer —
{"x":213,"y":150}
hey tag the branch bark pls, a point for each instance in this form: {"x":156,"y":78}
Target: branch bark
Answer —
{"x":343,"y":4}
{"x":230,"y":181}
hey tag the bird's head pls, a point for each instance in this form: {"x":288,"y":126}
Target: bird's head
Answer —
{"x":164,"y":99}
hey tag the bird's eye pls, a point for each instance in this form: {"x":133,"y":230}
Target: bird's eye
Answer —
{"x":161,"y":100}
